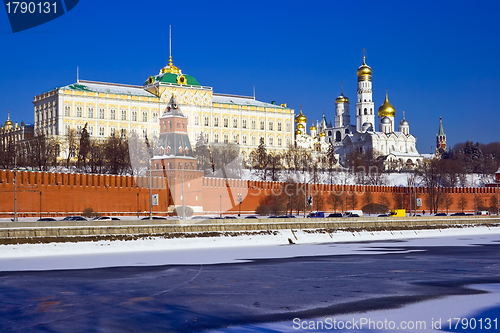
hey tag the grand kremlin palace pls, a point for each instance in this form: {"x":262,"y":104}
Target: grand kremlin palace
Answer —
{"x":119,"y":109}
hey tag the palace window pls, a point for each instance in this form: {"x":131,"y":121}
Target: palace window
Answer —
{"x":78,"y":111}
{"x":144,"y":116}
{"x":216,"y":138}
{"x":226,"y":138}
{"x":271,"y":141}
{"x":90,"y":112}
{"x":123,"y":133}
{"x":101,"y":131}
{"x":155,"y":117}
{"x":134,"y":115}
{"x":253,"y":140}
{"x":244,"y":139}
{"x":196,"y":120}
{"x":279,"y":142}
{"x":271,"y":125}
{"x":67,"y":129}
{"x":235,"y":138}
{"x":124,"y":114}
{"x":244,"y":123}
{"x":144,"y":133}
{"x":67,"y":111}
{"x":101,"y":113}
{"x":252,"y":124}
{"x":78,"y":129}
{"x":288,"y":127}
{"x":279,"y":126}
{"x":205,"y":136}
{"x":262,"y":125}
{"x":112,"y":131}
{"x":226,"y":122}
{"x":112,"y":114}
{"x":216,"y":121}
{"x":205,"y":121}
{"x":91,"y":130}
{"x":235,"y":122}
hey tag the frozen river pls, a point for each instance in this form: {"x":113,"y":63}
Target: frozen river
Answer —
{"x":254,"y":292}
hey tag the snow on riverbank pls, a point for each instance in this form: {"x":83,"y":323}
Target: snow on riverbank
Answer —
{"x":226,"y":249}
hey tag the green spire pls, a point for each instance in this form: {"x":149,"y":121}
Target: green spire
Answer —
{"x":441,"y":132}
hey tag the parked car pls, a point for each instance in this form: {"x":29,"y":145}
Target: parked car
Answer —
{"x":359,"y":213}
{"x":251,"y":217}
{"x":483,"y":212}
{"x":74,"y":218}
{"x":316,"y":214}
{"x":229,"y":217}
{"x":200,"y":217}
{"x":440,"y":214}
{"x":398,"y":213}
{"x":105,"y":218}
{"x":335,"y":215}
{"x":383,"y":215}
{"x":46,"y":219}
{"x":154,"y":218}
{"x":458,"y":214}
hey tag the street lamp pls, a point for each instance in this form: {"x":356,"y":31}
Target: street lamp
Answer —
{"x":150,"y":196}
{"x":220,"y":206}
{"x":239,"y":200}
{"x":40,"y":204}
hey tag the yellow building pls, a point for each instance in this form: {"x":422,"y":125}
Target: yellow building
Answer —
{"x":111,"y":108}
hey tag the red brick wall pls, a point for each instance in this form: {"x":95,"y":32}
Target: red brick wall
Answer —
{"x":72,"y":193}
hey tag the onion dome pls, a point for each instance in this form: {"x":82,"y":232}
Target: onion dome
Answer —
{"x":404,"y":123}
{"x":385,"y":120}
{"x":386,"y":109}
{"x":364,"y":70}
{"x":342,"y":99}
{"x":298,"y":132}
{"x":300,"y":118}
{"x":300,"y":127}
{"x":312,"y":128}
{"x":8,"y":122}
{"x":322,"y":134}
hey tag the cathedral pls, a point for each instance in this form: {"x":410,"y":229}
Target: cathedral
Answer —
{"x":394,"y":145}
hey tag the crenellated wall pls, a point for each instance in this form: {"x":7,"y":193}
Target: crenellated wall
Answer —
{"x":69,"y":193}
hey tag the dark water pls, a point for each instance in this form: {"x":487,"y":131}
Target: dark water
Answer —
{"x":196,"y":298}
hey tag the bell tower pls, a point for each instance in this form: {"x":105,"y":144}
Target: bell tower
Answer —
{"x":364,"y":104}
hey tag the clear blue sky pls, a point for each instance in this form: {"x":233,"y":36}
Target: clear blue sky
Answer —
{"x":437,"y":58}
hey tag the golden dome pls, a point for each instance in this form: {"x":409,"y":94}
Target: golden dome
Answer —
{"x":322,"y":134}
{"x":313,"y":128}
{"x":342,"y":99}
{"x":298,"y":132}
{"x":300,"y":118}
{"x":386,"y":109}
{"x":8,"y":123}
{"x":300,"y":127}
{"x":170,"y":68}
{"x":364,"y":70}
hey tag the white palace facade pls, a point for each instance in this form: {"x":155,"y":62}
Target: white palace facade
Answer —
{"x":119,"y":109}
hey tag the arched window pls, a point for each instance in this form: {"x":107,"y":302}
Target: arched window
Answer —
{"x":338,"y":136}
{"x":216,"y":138}
{"x":226,"y":122}
{"x":279,"y":126}
{"x":134,"y":115}
{"x":226,"y":138}
{"x":196,"y":120}
{"x":366,"y":111}
{"x":78,"y":111}
{"x":205,"y":120}
{"x":235,"y":122}
{"x":244,"y":139}
{"x":270,"y":125}
{"x":144,"y":116}
{"x":262,"y":125}
{"x":90,"y":112}
{"x":346,"y":131}
{"x":244,"y":123}
{"x":216,"y":121}
{"x":252,"y":124}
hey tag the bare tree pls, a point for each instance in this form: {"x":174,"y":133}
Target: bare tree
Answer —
{"x":384,"y":200}
{"x":447,"y":201}
{"x":462,"y":202}
{"x":336,"y":200}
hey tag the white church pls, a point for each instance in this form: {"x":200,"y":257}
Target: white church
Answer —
{"x":396,"y":146}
